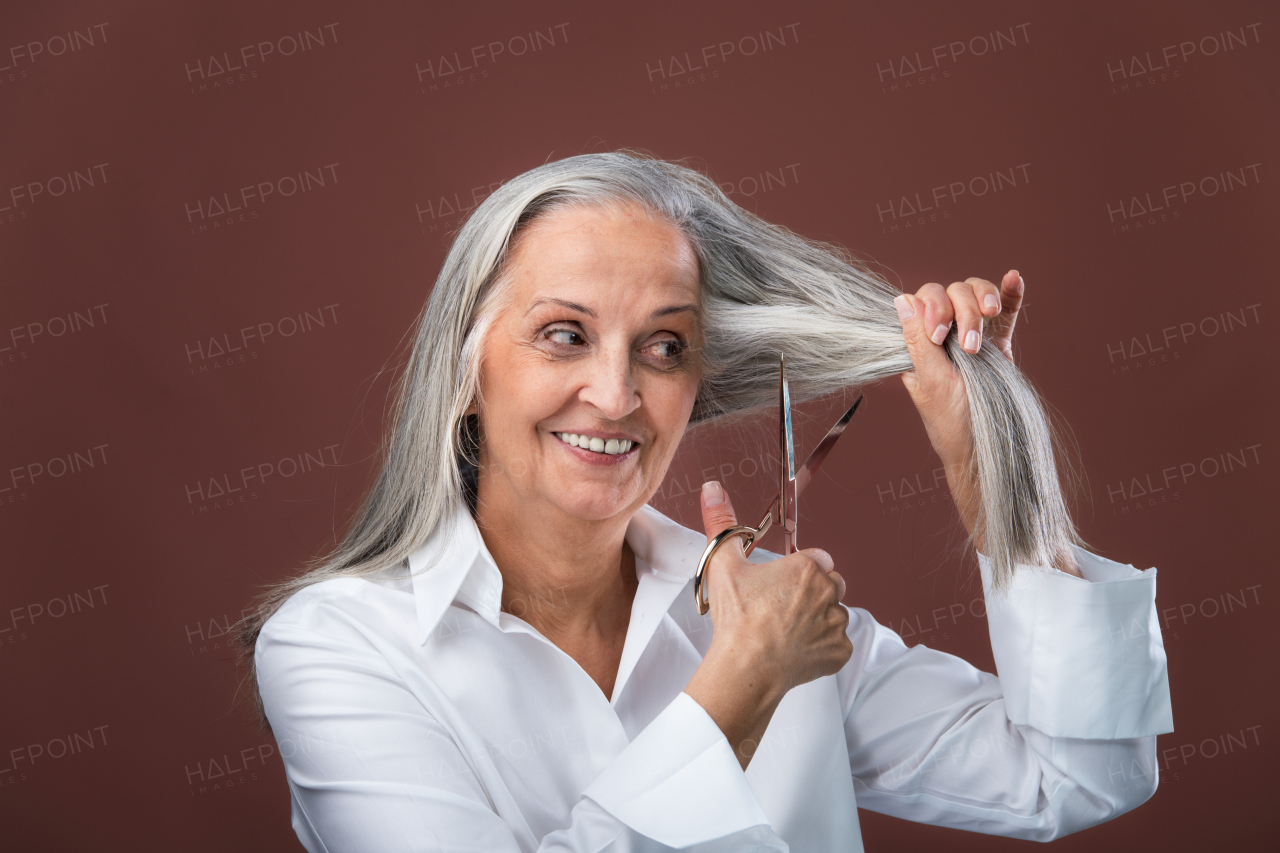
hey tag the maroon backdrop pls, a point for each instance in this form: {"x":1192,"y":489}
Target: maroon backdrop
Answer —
{"x":219,"y":220}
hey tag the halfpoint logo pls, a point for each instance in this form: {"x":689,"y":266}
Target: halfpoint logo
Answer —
{"x":220,"y":210}
{"x":936,"y":204}
{"x":22,"y":57}
{"x":910,"y":72}
{"x":240,"y":66}
{"x":1142,"y":212}
{"x":688,"y":69}
{"x":1139,"y":72}
{"x":457,"y":68}
{"x":24,"y":196}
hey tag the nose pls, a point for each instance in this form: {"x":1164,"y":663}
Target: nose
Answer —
{"x":610,"y":386}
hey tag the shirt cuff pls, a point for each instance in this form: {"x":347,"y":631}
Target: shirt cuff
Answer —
{"x":1081,"y":658}
{"x":679,"y":782}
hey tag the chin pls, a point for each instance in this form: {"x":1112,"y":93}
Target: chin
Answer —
{"x":593,"y":504}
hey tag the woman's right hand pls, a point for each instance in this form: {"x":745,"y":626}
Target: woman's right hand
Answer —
{"x":777,"y":625}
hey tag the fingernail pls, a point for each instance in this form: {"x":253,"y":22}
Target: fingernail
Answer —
{"x":992,"y":301}
{"x":940,"y":333}
{"x":904,"y":308}
{"x":712,"y":494}
{"x":972,"y":341}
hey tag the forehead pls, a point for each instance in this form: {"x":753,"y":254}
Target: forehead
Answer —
{"x":604,"y":247}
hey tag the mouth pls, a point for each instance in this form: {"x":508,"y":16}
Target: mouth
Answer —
{"x":597,"y":444}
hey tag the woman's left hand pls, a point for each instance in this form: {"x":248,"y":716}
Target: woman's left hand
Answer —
{"x":935,"y":385}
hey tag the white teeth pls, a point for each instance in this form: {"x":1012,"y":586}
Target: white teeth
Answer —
{"x":612,"y":447}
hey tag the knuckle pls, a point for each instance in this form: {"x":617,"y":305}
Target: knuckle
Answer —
{"x":815,"y":581}
{"x":822,"y":558}
{"x":721,"y":517}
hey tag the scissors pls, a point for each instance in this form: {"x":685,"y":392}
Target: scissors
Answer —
{"x":784,"y":510}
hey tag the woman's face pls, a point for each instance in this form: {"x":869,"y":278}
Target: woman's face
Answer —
{"x":600,"y":340}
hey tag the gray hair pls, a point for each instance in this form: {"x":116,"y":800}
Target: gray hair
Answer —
{"x":764,"y":290}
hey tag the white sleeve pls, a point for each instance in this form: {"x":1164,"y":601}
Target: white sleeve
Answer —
{"x":1064,"y":739}
{"x":370,"y":770}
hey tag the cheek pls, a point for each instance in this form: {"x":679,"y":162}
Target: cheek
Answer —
{"x":518,"y":392}
{"x":671,"y":406}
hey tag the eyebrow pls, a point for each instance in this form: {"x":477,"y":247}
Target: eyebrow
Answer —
{"x":573,"y":306}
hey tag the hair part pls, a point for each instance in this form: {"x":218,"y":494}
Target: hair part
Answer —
{"x":764,"y":289}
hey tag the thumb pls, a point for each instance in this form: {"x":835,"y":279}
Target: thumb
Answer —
{"x":926,"y":356}
{"x":717,"y":509}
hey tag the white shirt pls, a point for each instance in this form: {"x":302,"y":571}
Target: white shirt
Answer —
{"x":413,"y":715}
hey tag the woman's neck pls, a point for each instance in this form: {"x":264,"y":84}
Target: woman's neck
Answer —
{"x":572,"y":579}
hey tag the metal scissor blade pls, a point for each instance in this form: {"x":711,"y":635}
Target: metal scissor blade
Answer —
{"x":806,"y":473}
{"x":787,"y":491}
{"x":814,"y":462}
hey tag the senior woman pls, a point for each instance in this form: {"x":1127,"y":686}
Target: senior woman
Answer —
{"x":503,"y":653}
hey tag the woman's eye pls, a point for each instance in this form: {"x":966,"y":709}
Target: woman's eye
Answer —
{"x":566,"y":337}
{"x":667,"y":352}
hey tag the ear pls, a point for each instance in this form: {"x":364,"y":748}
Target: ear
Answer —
{"x":471,"y":410}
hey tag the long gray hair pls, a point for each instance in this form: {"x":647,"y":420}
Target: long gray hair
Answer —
{"x":764,"y":289}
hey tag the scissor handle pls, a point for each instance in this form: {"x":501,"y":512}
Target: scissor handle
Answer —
{"x":750,"y":534}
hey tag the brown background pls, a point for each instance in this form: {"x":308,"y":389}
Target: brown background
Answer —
{"x":810,"y":133}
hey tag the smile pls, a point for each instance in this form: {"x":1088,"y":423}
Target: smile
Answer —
{"x":609,"y":447}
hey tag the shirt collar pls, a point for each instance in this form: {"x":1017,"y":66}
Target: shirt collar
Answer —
{"x":455,"y":564}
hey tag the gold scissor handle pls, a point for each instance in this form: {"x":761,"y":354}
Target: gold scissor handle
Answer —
{"x":750,"y":534}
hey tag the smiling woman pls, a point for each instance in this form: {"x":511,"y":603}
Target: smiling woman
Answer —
{"x":505,"y":582}
{"x":598,"y":336}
